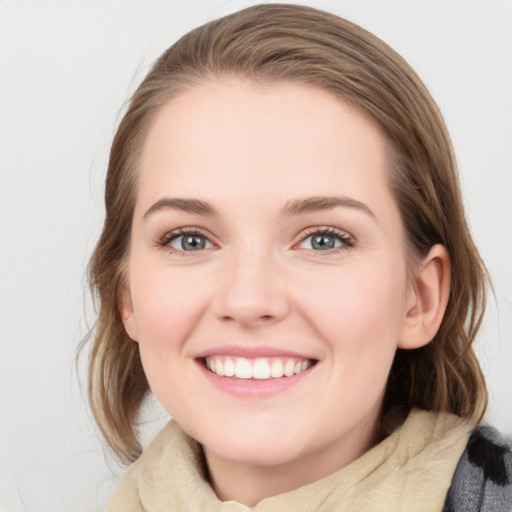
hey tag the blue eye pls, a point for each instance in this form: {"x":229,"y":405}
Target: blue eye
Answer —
{"x":190,"y":242}
{"x":326,"y":240}
{"x":320,"y":242}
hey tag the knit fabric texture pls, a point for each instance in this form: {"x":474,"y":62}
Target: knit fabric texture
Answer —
{"x":411,"y":470}
{"x":482,"y":481}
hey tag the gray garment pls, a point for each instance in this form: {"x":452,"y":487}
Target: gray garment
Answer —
{"x":482,"y":481}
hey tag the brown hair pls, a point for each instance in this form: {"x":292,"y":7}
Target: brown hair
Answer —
{"x":269,"y":43}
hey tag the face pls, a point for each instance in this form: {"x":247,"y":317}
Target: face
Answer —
{"x":266,"y":282}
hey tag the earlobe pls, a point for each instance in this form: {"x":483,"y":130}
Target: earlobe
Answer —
{"x":127,"y":312}
{"x":428,"y":294}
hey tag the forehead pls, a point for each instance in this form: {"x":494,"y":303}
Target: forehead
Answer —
{"x":233,"y":136}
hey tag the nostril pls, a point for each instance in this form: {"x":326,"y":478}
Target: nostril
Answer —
{"x":257,"y":319}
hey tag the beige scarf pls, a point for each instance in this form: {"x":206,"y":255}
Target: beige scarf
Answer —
{"x":411,"y":470}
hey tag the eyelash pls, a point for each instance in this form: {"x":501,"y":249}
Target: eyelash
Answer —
{"x":347,"y":241}
{"x":166,"y":240}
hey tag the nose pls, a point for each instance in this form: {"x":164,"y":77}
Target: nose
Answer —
{"x":252,"y":292}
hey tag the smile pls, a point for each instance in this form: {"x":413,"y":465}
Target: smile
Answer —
{"x":260,"y":368}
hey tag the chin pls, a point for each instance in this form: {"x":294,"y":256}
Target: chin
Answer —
{"x":260,"y":454}
{"x":264,"y":446}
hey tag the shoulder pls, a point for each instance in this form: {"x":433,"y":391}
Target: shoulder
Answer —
{"x":126,"y":497}
{"x":483,"y":478}
{"x":169,"y":473}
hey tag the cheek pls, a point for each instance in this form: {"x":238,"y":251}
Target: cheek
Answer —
{"x":168,"y":306}
{"x":167,"y":310}
{"x":165,"y":300}
{"x":358,"y":309}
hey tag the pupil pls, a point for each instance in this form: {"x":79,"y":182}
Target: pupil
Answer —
{"x":192,"y":243}
{"x":322,"y":242}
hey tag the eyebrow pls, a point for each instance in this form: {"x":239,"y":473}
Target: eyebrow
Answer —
{"x":187,"y":205}
{"x":321,"y":203}
{"x":291,"y":208}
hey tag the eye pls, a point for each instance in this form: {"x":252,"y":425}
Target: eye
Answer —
{"x":320,"y":242}
{"x":325,"y":239}
{"x":190,"y":243}
{"x":185,"y":240}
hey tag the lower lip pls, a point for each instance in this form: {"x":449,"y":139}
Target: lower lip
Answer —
{"x":253,"y":388}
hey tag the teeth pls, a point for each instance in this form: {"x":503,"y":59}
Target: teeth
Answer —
{"x":229,"y":368}
{"x":277,"y":370}
{"x":288,"y":368}
{"x":261,"y":368}
{"x":219,"y":367}
{"x":243,"y":369}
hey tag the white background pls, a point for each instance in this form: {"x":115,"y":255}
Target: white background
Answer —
{"x":66,"y":67}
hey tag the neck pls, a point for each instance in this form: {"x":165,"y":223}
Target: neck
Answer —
{"x":250,"y":483}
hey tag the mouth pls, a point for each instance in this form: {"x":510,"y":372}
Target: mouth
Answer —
{"x":262,"y":368}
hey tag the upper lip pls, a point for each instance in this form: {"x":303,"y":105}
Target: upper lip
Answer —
{"x":250,"y":352}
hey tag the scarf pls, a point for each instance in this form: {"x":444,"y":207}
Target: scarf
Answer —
{"x":410,"y":470}
{"x":483,"y":479}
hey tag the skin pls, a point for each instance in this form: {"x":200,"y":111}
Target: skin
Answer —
{"x":259,"y":284}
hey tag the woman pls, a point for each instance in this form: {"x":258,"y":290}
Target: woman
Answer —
{"x":285,"y":263}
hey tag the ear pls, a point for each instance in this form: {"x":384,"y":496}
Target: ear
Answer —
{"x":427,"y":297}
{"x":127,"y":312}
